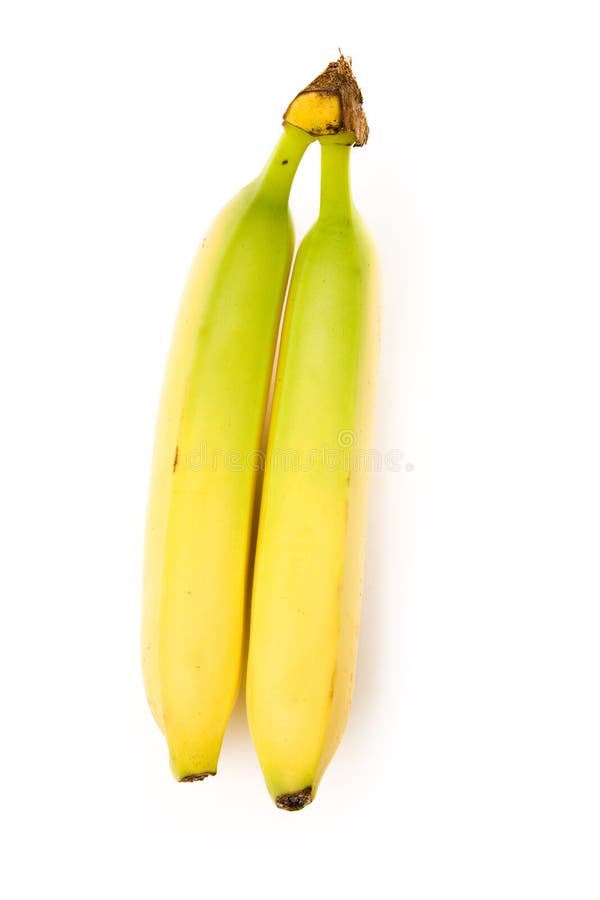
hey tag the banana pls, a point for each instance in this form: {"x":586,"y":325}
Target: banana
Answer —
{"x":205,"y":466}
{"x":306,"y":593}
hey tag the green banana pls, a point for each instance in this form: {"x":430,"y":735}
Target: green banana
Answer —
{"x":307,"y":579}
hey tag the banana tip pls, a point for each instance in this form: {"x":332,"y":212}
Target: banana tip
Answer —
{"x":200,"y":776}
{"x":295,"y":800}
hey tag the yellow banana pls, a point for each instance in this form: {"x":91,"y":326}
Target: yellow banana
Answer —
{"x":204,"y":468}
{"x":307,"y":578}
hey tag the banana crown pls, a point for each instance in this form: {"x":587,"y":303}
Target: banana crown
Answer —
{"x":331,"y":105}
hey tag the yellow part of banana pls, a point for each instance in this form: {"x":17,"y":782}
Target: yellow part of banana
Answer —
{"x":309,"y":558}
{"x":205,"y":464}
{"x":317,"y":112}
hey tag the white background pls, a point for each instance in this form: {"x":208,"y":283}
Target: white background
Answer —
{"x":470,"y":767}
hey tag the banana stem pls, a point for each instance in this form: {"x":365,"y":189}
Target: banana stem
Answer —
{"x":336,"y":200}
{"x":277,"y":176}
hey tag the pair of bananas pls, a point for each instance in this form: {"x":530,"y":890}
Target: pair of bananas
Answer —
{"x":301,"y":572}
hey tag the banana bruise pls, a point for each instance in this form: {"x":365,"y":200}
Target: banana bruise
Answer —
{"x":204,"y":469}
